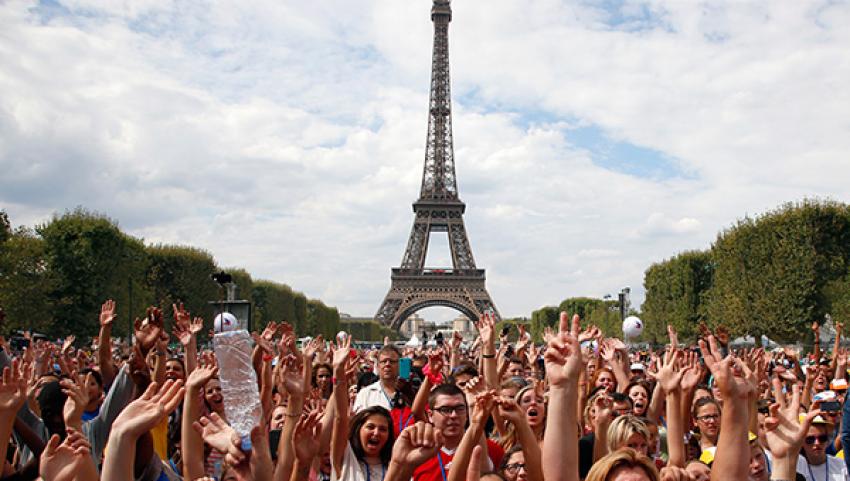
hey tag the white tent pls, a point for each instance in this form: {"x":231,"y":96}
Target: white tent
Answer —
{"x":413,"y":342}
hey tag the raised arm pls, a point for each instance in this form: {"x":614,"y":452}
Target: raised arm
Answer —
{"x":669,"y":378}
{"x":292,"y":382}
{"x":733,"y":455}
{"x":784,"y":433}
{"x":510,"y":411}
{"x":564,"y":364}
{"x":473,"y":435}
{"x":308,"y":433}
{"x":186,"y":331}
{"x":339,"y":433}
{"x":12,"y":397}
{"x":415,"y":445}
{"x":104,"y":343}
{"x":487,"y":332}
{"x":192,"y":446}
{"x":138,"y":418}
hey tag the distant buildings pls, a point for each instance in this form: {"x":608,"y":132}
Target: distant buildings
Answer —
{"x":417,"y":325}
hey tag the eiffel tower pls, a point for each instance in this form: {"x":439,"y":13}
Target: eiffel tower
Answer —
{"x":439,"y":209}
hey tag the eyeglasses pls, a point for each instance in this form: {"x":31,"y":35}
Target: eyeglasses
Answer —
{"x":460,"y":410}
{"x":514,"y":468}
{"x":823,"y":438}
{"x":388,"y":361}
{"x":708,"y":417}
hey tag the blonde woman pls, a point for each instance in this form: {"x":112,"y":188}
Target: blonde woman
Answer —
{"x":628,"y":432}
{"x":622,"y":465}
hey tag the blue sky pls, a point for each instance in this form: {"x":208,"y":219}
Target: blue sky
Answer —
{"x":591,"y":138}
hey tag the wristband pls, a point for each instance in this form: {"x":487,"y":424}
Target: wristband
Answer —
{"x":435,"y":377}
{"x":488,"y":356}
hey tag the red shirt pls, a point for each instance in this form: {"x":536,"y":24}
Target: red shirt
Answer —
{"x":402,"y":418}
{"x":430,"y":470}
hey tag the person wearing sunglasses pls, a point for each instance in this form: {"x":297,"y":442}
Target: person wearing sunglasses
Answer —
{"x":815,"y":464}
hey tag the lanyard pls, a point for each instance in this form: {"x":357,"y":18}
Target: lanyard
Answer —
{"x":387,"y":396}
{"x":369,"y":471}
{"x":812,"y":475}
{"x":442,"y":467}
{"x":404,"y":424}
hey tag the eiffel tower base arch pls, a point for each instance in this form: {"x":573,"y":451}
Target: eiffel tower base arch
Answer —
{"x":415,"y":289}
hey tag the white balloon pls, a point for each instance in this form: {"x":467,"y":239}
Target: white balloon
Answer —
{"x":225,"y":322}
{"x":341,"y":335}
{"x":632,"y":327}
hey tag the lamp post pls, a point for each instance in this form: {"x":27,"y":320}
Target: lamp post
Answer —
{"x":623,"y":297}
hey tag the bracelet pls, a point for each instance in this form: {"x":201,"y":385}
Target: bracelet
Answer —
{"x":292,"y":415}
{"x":488,"y":356}
{"x":160,"y":353}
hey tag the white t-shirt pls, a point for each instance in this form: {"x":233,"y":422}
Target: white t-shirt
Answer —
{"x":835,"y":467}
{"x":353,"y":469}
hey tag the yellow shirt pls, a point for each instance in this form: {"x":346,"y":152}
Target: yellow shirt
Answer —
{"x":160,"y":439}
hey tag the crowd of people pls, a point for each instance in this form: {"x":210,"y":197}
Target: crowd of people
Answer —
{"x":580,"y":406}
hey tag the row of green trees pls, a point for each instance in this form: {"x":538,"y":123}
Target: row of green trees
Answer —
{"x":53,"y":279}
{"x":771,"y":275}
{"x":604,"y":313}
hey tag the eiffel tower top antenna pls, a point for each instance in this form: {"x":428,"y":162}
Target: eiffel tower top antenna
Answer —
{"x":438,"y":178}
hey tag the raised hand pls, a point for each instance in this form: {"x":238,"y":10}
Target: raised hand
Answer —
{"x":692,"y":373}
{"x":341,"y":356}
{"x":107,"y":313}
{"x":269,"y":331}
{"x":673,"y":335}
{"x":486,"y":329}
{"x":63,"y":460}
{"x":68,"y":344}
{"x":77,"y":399}
{"x":291,"y":378}
{"x":12,"y":389}
{"x":313,"y":347}
{"x":474,"y":387}
{"x":416,"y":444}
{"x":784,"y":432}
{"x":221,"y":436}
{"x":148,"y":331}
{"x":149,"y":410}
{"x":607,"y":351}
{"x":267,"y":345}
{"x":510,"y":410}
{"x":482,"y":405}
{"x":669,"y":375}
{"x":592,"y":332}
{"x":307,"y":432}
{"x":201,"y":376}
{"x":563,"y":357}
{"x":733,"y":376}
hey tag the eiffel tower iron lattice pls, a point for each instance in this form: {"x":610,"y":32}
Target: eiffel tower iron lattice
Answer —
{"x":439,"y":209}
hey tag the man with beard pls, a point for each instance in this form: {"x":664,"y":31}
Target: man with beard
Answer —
{"x":449,"y":414}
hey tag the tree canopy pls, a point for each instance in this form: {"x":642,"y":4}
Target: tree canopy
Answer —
{"x":54,"y":278}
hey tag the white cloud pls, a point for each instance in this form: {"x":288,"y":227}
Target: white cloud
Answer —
{"x":288,"y":137}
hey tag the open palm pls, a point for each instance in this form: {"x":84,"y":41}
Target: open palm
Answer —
{"x":141,"y":415}
{"x":563,"y":357}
